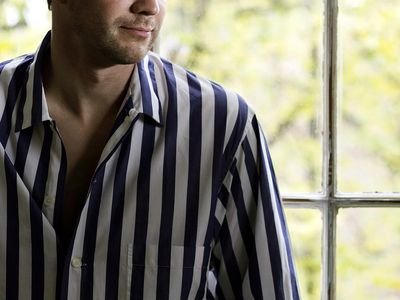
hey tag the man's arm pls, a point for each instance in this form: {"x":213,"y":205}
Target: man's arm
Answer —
{"x":252,"y":257}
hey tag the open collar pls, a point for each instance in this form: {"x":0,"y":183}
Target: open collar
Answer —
{"x":32,"y":108}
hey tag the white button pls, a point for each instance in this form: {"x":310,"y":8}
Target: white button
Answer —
{"x":76,"y":262}
{"x":133,"y":112}
{"x":48,"y":201}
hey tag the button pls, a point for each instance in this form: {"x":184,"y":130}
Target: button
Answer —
{"x":48,"y":201}
{"x":76,"y":262}
{"x":133,"y":112}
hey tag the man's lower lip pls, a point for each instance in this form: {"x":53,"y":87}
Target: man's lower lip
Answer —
{"x":137,"y":32}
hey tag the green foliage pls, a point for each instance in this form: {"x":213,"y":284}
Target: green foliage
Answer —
{"x":16,"y":36}
{"x":253,"y":48}
{"x":370,"y":96}
{"x":305,"y":226}
{"x":368,"y":242}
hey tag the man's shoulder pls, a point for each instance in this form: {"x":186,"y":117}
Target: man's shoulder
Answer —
{"x":193,"y":84}
{"x":10,"y":65}
{"x":13,"y":72}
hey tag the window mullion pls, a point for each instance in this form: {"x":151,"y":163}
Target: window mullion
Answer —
{"x":330,"y":155}
{"x":330,"y":98}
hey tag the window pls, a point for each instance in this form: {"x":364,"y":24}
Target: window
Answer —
{"x":323,"y":77}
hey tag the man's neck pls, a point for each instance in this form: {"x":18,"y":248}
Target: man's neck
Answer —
{"x":82,"y":87}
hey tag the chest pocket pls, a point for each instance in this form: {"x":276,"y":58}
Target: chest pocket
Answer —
{"x":181,"y":277}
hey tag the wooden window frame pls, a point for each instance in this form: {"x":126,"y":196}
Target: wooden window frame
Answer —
{"x":330,"y":200}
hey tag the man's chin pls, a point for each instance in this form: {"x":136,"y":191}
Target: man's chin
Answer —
{"x":130,"y":55}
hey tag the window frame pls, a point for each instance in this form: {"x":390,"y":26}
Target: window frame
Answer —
{"x":330,"y":200}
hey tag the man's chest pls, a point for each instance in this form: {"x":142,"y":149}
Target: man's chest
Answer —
{"x":140,"y":182}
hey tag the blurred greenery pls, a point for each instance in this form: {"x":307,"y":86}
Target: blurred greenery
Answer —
{"x":369,"y":238}
{"x":19,"y":33}
{"x":305,"y":227}
{"x":370,"y":96}
{"x":271,"y":53}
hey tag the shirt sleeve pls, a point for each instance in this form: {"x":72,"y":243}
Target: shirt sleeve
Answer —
{"x":251,"y":258}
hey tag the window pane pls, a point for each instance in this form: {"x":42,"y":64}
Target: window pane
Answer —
{"x":269,"y":52}
{"x":370,"y":96}
{"x":368,"y":260}
{"x":305,"y":227}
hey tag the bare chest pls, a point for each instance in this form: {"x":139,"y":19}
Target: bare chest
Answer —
{"x":83,"y":145}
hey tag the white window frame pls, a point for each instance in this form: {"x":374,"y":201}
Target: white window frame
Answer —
{"x":330,"y":200}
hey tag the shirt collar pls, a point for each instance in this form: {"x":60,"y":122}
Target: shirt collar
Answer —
{"x":143,"y":91}
{"x":33,"y":107}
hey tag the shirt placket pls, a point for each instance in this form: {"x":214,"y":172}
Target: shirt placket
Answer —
{"x":76,"y":258}
{"x":51,"y":196}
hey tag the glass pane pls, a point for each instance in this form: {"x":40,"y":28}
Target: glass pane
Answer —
{"x":270,"y":53}
{"x":370,"y":96}
{"x":368,"y":260}
{"x":305,"y":227}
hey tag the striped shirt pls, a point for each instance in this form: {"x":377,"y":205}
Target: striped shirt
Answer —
{"x":183,"y":203}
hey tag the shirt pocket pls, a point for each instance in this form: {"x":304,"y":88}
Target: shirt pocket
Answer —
{"x":182,"y":273}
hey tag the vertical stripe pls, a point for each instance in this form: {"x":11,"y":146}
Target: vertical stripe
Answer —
{"x":273,"y":244}
{"x":251,"y":167}
{"x":37,"y":250}
{"x":154,"y":218}
{"x":230,"y":261}
{"x":20,"y":109}
{"x":50,"y":263}
{"x":154,"y":84}
{"x":266,"y":275}
{"x":39,"y":186}
{"x":193,"y":183}
{"x":74,"y":265}
{"x":89,"y":243}
{"x":36,"y":216}
{"x":223,"y":288}
{"x":145,"y":89}
{"x":14,"y":88}
{"x":12,"y":252}
{"x":247,"y":233}
{"x":142,"y":211}
{"x":128,"y":218}
{"x":3,"y":64}
{"x":220,"y":115}
{"x":220,"y":118}
{"x":180,"y":192}
{"x":58,"y":215}
{"x":24,"y":141}
{"x":103,"y":230}
{"x":122,"y":115}
{"x":37,"y":92}
{"x":3,"y":225}
{"x":168,"y":188}
{"x":25,"y":242}
{"x":114,"y":241}
{"x":237,"y":132}
{"x":207,"y":162}
{"x":288,"y":255}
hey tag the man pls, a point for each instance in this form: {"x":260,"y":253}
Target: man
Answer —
{"x":124,"y":176}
